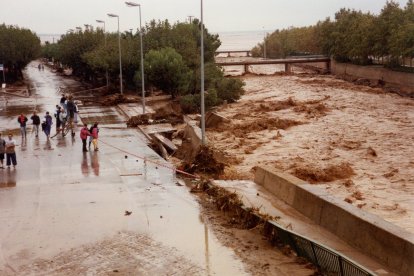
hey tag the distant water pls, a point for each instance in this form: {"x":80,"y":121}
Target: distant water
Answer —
{"x":229,"y":40}
{"x":240,"y":40}
{"x":48,"y":37}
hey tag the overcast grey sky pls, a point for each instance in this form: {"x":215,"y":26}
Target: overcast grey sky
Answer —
{"x":57,"y":16}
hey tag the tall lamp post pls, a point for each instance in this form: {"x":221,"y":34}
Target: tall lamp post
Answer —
{"x":264,"y":44}
{"x":203,"y":119}
{"x":120,"y":55}
{"x":132,"y":4}
{"x":106,"y":70}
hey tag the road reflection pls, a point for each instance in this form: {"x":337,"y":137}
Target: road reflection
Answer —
{"x":90,"y":166}
{"x":95,"y":163}
{"x":8,"y":178}
{"x":84,"y":164}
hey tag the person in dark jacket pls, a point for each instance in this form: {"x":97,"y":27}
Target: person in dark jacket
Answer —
{"x":22,"y":121}
{"x":70,"y":108}
{"x":57,"y":116}
{"x":36,"y":122}
{"x":2,"y":151}
{"x":47,"y":124}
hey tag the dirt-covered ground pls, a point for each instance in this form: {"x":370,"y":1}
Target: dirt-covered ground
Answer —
{"x":354,"y":141}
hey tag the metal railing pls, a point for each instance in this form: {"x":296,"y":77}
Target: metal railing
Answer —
{"x":327,"y":260}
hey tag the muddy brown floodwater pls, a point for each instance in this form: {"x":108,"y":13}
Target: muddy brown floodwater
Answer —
{"x":354,"y":141}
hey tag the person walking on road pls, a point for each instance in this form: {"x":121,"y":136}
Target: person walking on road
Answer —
{"x":36,"y":122}
{"x":94,"y":134}
{"x":70,"y":105}
{"x":2,"y":151}
{"x":84,"y":133}
{"x":57,"y":116}
{"x":75,"y":120}
{"x":63,"y":118}
{"x":10,"y":151}
{"x":47,"y":125}
{"x":63,"y":101}
{"x":22,"y":121}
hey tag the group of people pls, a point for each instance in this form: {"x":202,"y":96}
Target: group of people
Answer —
{"x":92,"y":133}
{"x":66,"y":112}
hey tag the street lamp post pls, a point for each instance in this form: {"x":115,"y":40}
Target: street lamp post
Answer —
{"x":79,"y":29}
{"x":106,"y":69}
{"x":203,"y":119}
{"x":132,"y":4}
{"x":120,"y":55}
{"x":264,"y":44}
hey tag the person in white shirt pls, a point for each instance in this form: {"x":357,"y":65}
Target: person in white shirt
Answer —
{"x":10,"y":151}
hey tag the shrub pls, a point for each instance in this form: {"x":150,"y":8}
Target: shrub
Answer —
{"x":229,"y":90}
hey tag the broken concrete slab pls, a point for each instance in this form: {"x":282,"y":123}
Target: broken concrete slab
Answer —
{"x":158,"y":128}
{"x":214,"y":119}
{"x":134,"y":109}
{"x":165,"y":141}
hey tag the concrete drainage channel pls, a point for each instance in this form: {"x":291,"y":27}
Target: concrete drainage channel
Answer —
{"x":328,"y":261}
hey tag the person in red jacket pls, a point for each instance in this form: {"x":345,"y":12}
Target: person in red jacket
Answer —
{"x":22,"y":121}
{"x":94,"y":134}
{"x":84,"y":133}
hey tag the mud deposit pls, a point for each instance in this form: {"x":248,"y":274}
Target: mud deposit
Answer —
{"x":354,"y":141}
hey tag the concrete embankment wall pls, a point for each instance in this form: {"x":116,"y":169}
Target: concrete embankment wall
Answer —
{"x":403,"y":80}
{"x":382,"y":240}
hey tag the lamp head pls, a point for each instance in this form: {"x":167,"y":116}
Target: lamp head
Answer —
{"x":112,"y":15}
{"x":132,"y":4}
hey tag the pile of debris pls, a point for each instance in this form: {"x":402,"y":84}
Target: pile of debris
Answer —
{"x":135,"y":121}
{"x":115,"y":99}
{"x":206,"y":163}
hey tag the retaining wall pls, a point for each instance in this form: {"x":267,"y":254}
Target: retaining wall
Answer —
{"x":391,"y":245}
{"x":401,"y":79}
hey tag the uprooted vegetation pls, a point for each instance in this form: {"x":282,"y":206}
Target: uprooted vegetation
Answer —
{"x":206,"y":163}
{"x":115,"y":99}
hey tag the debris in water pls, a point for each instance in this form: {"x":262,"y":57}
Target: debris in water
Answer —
{"x":205,"y":162}
{"x":372,"y":152}
{"x":127,"y":213}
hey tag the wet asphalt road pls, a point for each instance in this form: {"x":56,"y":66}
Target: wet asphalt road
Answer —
{"x":62,"y":211}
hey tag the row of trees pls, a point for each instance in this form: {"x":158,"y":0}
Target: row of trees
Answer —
{"x":172,"y":60}
{"x":353,"y":36}
{"x":18,"y":47}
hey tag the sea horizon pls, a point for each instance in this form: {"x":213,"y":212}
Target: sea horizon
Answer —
{"x":230,"y":40}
